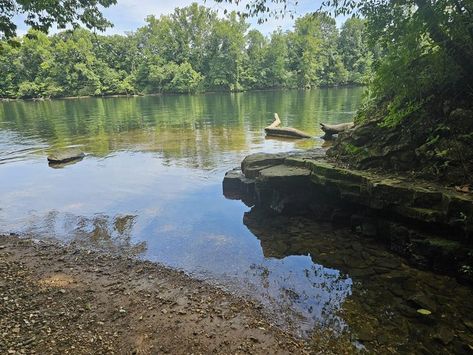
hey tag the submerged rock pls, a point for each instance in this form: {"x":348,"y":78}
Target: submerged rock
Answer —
{"x":66,"y":156}
{"x":444,"y":335}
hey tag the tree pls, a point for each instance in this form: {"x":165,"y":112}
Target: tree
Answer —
{"x":225,"y":52}
{"x":355,"y":53}
{"x":314,"y":53}
{"x":188,"y":50}
{"x":253,"y":75}
{"x":41,"y":15}
{"x":10,"y":75}
{"x":407,"y":25}
{"x":73,"y":64}
{"x":276,"y":61}
{"x":180,"y":37}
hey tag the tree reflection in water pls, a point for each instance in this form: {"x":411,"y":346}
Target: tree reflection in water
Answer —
{"x":112,"y":234}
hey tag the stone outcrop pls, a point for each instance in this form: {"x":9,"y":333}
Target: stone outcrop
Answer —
{"x":66,"y":156}
{"x":432,"y":226}
{"x":438,"y":147}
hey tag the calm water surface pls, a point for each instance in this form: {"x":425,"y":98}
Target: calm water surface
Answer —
{"x":151,"y":185}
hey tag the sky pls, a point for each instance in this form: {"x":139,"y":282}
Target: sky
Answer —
{"x":128,"y":15}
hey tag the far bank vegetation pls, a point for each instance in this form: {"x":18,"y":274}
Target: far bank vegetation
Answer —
{"x":188,"y":51}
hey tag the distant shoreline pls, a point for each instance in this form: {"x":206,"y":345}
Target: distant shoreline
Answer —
{"x":39,"y":99}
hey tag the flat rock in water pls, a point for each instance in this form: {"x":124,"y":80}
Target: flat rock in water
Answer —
{"x":65,"y":156}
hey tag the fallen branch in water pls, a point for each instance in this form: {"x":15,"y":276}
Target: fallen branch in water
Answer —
{"x":331,"y":129}
{"x":274,"y":130}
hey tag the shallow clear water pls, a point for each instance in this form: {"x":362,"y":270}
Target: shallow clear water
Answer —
{"x":151,"y":185}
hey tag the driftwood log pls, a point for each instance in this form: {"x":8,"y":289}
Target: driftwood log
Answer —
{"x":288,"y":132}
{"x":331,"y":129}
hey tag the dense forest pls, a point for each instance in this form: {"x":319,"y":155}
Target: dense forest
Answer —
{"x":190,"y":50}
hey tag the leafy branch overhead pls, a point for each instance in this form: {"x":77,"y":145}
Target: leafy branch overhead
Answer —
{"x":42,"y":15}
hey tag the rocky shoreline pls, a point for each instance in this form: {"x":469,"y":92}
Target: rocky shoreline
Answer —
{"x":59,"y":299}
{"x":428,"y":224}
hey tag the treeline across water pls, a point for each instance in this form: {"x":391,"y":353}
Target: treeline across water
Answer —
{"x":188,"y":51}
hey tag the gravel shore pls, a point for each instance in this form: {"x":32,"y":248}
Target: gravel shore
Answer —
{"x":56,"y":299}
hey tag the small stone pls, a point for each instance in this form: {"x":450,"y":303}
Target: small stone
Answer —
{"x":444,"y":335}
{"x":65,"y":156}
{"x":422,"y":301}
{"x":365,"y":334}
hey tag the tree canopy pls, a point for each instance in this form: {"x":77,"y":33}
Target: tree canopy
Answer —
{"x":190,"y":50}
{"x":423,"y":50}
{"x":41,"y":15}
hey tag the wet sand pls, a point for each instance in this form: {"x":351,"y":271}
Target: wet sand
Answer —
{"x":56,"y":299}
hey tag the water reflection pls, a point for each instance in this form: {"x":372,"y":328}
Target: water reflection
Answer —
{"x":135,"y":203}
{"x":381,"y":311}
{"x":100,"y":232}
{"x":151,"y":185}
{"x":195,"y":128}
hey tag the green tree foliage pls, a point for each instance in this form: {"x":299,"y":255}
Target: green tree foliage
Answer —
{"x":276,"y":61}
{"x":254,"y":56}
{"x":225,"y":54}
{"x":190,"y":50}
{"x":41,"y":15}
{"x":428,"y":56}
{"x":314,"y":52}
{"x":354,"y":51}
{"x":421,"y":52}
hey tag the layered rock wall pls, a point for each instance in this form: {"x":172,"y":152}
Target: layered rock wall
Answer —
{"x":432,"y":226}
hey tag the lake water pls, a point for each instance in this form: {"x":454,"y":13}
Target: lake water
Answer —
{"x":151,"y":183}
{"x":151,"y":186}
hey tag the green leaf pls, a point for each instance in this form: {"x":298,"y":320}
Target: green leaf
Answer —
{"x":424,"y":312}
